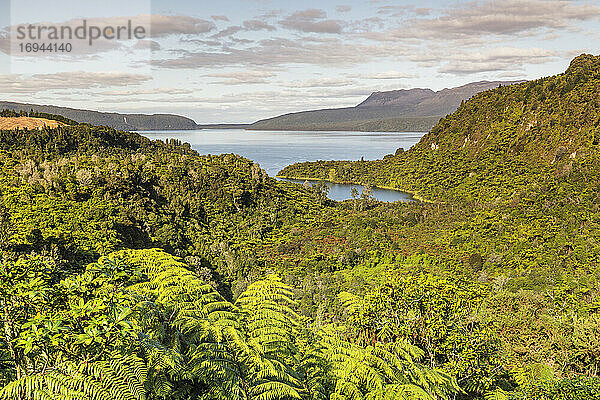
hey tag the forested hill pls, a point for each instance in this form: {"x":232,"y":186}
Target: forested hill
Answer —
{"x":412,"y":110}
{"x":140,"y":122}
{"x":90,"y":308}
{"x":134,"y":269}
{"x":510,"y":139}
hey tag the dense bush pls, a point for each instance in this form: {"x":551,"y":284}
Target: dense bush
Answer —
{"x":489,"y":289}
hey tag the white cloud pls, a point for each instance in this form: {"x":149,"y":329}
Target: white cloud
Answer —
{"x":242,"y":77}
{"x":17,"y":83}
{"x":507,"y":17}
{"x":319,"y":83}
{"x":497,"y":59}
{"x":220,"y":18}
{"x":389,"y":75}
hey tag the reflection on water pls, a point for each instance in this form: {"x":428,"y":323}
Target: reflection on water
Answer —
{"x":340,"y":192}
{"x":274,"y":150}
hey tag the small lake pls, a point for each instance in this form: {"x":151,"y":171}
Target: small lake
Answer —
{"x":274,"y":150}
{"x":341,"y":192}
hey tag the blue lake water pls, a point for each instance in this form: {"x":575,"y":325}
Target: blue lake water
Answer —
{"x":340,"y":192}
{"x":274,"y":150}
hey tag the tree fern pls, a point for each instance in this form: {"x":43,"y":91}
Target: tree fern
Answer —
{"x":497,"y":394}
{"x":382,"y":371}
{"x":271,"y":327}
{"x":183,"y":340}
{"x":122,"y":377}
{"x":532,"y":374}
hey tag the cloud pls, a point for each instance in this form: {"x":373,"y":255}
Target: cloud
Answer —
{"x":229,"y":31}
{"x":319,"y":83}
{"x":165,"y":25}
{"x":343,"y":8}
{"x":141,"y":92}
{"x":394,"y":11}
{"x":281,"y":51}
{"x":210,"y":43}
{"x":389,"y":75}
{"x":369,"y":24}
{"x":473,"y":22}
{"x":311,"y":20}
{"x":506,"y":17}
{"x":258,"y":25}
{"x":159,"y":25}
{"x":497,"y":59}
{"x":250,"y":25}
{"x":154,"y":26}
{"x":147,"y":44}
{"x":242,"y":77}
{"x":220,"y":18}
{"x":19,"y":84}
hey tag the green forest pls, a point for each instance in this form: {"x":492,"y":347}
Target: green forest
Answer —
{"x":139,"y":269}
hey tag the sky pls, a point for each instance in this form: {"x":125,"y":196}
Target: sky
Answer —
{"x":244,"y":60}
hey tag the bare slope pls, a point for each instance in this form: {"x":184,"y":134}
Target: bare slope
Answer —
{"x":11,"y":123}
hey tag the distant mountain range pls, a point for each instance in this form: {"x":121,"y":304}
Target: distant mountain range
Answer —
{"x":416,"y":110}
{"x":396,"y":110}
{"x":125,"y":122}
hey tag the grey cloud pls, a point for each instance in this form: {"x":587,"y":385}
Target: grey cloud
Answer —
{"x":320,"y":83}
{"x":507,"y":17}
{"x":311,"y":20}
{"x":250,"y":25}
{"x":242,"y":77}
{"x":471,"y":22}
{"x":422,"y":11}
{"x":511,"y":75}
{"x":279,"y":51}
{"x":159,"y":25}
{"x":201,"y":42}
{"x":389,"y":75}
{"x":270,"y":14}
{"x":147,"y":44}
{"x":258,"y":25}
{"x":4,"y":41}
{"x":366,"y":24}
{"x":242,"y":41}
{"x":220,"y":18}
{"x":343,"y":8}
{"x":394,"y":11}
{"x":397,"y":11}
{"x":141,"y":92}
{"x":16,"y":83}
{"x":165,"y":25}
{"x":232,"y":30}
{"x":497,"y":59}
{"x":157,"y":100}
{"x":156,"y":26}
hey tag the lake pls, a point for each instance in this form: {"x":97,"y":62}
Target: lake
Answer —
{"x":341,"y":192}
{"x":274,"y":150}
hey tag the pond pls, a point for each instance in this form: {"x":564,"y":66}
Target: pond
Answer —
{"x":341,"y":191}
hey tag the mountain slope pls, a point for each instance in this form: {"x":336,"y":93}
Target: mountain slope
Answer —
{"x":413,"y":109}
{"x":500,"y":142}
{"x":115,"y":120}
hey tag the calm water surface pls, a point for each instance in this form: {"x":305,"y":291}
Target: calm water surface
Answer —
{"x":340,"y":192}
{"x":274,"y":150}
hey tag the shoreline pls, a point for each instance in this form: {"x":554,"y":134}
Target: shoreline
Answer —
{"x":414,"y":195}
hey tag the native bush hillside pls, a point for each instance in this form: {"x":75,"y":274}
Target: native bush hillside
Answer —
{"x":542,"y":132}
